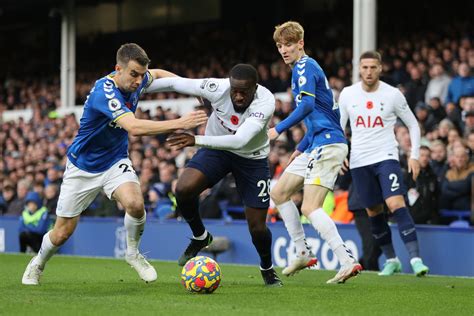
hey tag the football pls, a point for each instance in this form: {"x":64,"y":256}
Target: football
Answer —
{"x":201,"y":275}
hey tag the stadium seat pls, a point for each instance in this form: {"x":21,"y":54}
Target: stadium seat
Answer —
{"x":461,"y":215}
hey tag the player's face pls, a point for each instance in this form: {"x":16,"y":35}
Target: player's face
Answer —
{"x":130,"y":77}
{"x":370,"y":70}
{"x":291,"y":52}
{"x":242,"y":93}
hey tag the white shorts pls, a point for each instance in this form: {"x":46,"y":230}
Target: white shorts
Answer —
{"x":321,"y":166}
{"x":79,"y":187}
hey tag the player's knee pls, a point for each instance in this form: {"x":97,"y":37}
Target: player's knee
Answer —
{"x":185,"y":189}
{"x":395,"y":203}
{"x":278,"y":196}
{"x":258,"y":229}
{"x":135,"y":208}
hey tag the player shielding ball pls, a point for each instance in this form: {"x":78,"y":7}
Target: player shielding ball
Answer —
{"x":235,"y":141}
{"x":372,"y":108}
{"x":98,"y":159}
{"x":316,"y":162}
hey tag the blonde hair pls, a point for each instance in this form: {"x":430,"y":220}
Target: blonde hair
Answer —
{"x":288,"y":32}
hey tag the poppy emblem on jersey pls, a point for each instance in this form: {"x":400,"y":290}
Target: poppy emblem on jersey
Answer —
{"x":129,"y":105}
{"x":114,"y":104}
{"x":234,"y":120}
{"x":370,"y":105}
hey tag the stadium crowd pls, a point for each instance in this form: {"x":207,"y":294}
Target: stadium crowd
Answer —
{"x":433,"y":72}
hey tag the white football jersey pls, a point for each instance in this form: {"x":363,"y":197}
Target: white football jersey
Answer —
{"x":372,"y":117}
{"x":224,"y":120}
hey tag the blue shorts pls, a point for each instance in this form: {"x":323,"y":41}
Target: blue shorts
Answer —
{"x":377,"y":182}
{"x":252,"y":176}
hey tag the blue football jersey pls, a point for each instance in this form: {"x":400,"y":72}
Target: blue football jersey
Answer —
{"x":100,"y":141}
{"x":323,"y":123}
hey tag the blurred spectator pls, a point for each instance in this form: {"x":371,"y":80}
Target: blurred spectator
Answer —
{"x":18,"y":204}
{"x":437,"y":109}
{"x":456,"y":185}
{"x":423,"y":194}
{"x":8,"y":196}
{"x":415,"y":88}
{"x":439,"y":159}
{"x":438,"y":84}
{"x":51,"y":195}
{"x":425,"y":117}
{"x":34,"y":223}
{"x":463,"y":84}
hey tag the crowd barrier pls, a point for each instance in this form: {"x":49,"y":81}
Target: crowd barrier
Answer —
{"x":446,"y":250}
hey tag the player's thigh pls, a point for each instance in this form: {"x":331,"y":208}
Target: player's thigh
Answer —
{"x":252,"y":178}
{"x":78,"y":189}
{"x":120,"y":173}
{"x":367,"y":187}
{"x":324,"y":165}
{"x":213,"y":164}
{"x":286,"y":186}
{"x":130,"y":196}
{"x":390,"y":177}
{"x":313,"y":198}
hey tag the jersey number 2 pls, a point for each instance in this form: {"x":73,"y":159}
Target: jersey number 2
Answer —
{"x":265,"y":185}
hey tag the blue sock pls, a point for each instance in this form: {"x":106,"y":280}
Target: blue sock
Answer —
{"x":407,"y":231}
{"x":383,"y":235}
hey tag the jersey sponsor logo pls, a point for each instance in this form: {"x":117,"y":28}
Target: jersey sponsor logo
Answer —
{"x":301,"y":81}
{"x":370,"y":105}
{"x":369,"y":121}
{"x":114,"y":104}
{"x":257,"y":115}
{"x":234,"y":120}
{"x":212,"y":86}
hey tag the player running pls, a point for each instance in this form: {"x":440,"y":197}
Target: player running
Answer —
{"x":372,"y":107}
{"x":98,"y":159}
{"x":235,"y":141}
{"x":317,"y":160}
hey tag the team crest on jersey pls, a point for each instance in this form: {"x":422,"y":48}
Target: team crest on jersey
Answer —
{"x":212,"y":86}
{"x":301,"y":81}
{"x":114,"y":104}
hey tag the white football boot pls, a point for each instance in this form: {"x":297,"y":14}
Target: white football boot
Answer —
{"x":32,"y":273}
{"x":145,"y":270}
{"x":300,"y":263}
{"x":346,"y":272}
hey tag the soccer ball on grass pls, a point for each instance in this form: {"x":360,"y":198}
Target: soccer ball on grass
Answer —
{"x":201,"y":275}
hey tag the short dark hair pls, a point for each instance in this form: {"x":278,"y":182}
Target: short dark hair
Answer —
{"x":423,"y":147}
{"x":371,"y":54}
{"x":244,"y":72}
{"x":131,"y":51}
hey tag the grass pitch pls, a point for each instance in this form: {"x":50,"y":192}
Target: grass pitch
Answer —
{"x":92,"y":286}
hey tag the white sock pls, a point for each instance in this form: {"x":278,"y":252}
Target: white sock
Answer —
{"x":328,"y":231}
{"x":290,"y":215}
{"x":46,"y":251}
{"x":202,"y":237}
{"x":134,"y":227}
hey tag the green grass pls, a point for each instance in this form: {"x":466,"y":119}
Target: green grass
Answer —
{"x":93,"y":286}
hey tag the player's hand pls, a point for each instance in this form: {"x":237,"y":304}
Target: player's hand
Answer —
{"x":344,"y":167}
{"x":180,"y":140}
{"x":193,"y":119}
{"x":414,"y":168}
{"x":272,"y":134}
{"x":295,"y":154}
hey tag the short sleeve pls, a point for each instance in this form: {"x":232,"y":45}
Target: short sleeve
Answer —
{"x":110,"y":102}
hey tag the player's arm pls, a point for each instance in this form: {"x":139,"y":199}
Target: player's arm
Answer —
{"x":242,"y":137}
{"x":303,"y":109}
{"x":343,"y":110}
{"x":138,"y":127}
{"x":408,"y":118}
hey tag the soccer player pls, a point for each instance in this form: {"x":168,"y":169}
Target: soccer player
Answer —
{"x":235,"y":141}
{"x":98,"y":159}
{"x":318,"y":158}
{"x":372,"y":107}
